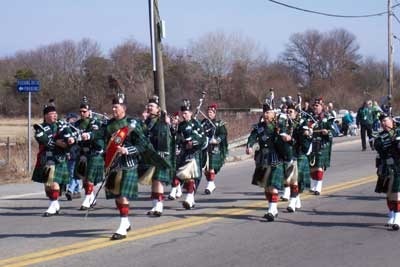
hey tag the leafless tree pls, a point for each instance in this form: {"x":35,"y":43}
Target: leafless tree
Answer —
{"x":132,"y":68}
{"x":217,"y":52}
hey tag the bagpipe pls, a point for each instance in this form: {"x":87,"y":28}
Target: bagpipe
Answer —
{"x":198,"y":111}
{"x":101,"y":116}
{"x":47,"y":155}
{"x":81,"y":169}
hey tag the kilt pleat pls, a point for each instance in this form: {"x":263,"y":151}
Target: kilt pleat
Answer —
{"x":163,"y":175}
{"x":321,"y":159}
{"x":276,"y":178}
{"x":129,"y":185}
{"x":61,"y":173}
{"x":95,"y":169}
{"x":215,"y":161}
{"x":303,"y":172}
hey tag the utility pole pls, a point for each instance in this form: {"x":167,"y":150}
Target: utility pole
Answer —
{"x":390,"y":56}
{"x":156,"y":34}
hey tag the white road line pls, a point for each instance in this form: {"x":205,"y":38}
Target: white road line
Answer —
{"x":22,"y":195}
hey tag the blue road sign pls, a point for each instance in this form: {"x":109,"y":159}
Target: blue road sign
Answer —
{"x":28,"y":85}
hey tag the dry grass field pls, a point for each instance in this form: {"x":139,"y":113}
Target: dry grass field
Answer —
{"x":16,"y":170}
{"x":15,"y":128}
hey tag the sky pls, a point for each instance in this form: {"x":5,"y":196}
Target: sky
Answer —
{"x":29,"y":24}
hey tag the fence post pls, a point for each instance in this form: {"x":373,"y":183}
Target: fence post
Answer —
{"x":8,"y":147}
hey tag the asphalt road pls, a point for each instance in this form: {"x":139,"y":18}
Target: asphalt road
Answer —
{"x":342,"y":227}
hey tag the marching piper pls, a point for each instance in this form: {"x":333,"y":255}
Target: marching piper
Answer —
{"x":190,"y":141}
{"x":126,"y":143}
{"x":285,"y":125}
{"x":299,"y":178}
{"x":320,"y":155}
{"x":387,"y":145}
{"x":158,"y":132}
{"x":54,"y":137}
{"x":90,"y":165}
{"x":176,"y":187}
{"x":217,"y":148}
{"x":268,"y":172}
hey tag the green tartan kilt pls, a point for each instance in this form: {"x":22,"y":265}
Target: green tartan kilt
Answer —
{"x":163,"y":175}
{"x":95,"y":169}
{"x":303,"y":172}
{"x":274,"y":179}
{"x":61,"y":174}
{"x":215,"y":161}
{"x":129,"y":185}
{"x":320,"y":159}
{"x":392,"y":173}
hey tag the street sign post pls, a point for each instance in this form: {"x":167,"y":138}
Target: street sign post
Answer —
{"x":29,"y":86}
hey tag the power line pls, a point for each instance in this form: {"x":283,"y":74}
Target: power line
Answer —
{"x":397,"y":19}
{"x":329,"y":14}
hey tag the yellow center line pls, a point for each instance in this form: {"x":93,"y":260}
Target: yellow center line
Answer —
{"x":103,"y":241}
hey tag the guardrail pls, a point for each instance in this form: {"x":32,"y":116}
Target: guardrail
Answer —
{"x":238,"y":141}
{"x":8,"y":145}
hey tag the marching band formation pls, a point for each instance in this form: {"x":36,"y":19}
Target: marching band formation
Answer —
{"x":293,"y":151}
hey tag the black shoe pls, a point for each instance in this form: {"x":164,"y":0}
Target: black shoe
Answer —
{"x":395,"y":227}
{"x":83,"y":208}
{"x":371,"y":145}
{"x":290,"y":209}
{"x":68,"y":195}
{"x":317,"y":193}
{"x":284,"y":199}
{"x":270,"y":217}
{"x":157,"y":214}
{"x":129,"y":228}
{"x":47,"y":214}
{"x":117,"y":236}
{"x":207,"y":192}
{"x":187,"y":206}
{"x":150,"y":213}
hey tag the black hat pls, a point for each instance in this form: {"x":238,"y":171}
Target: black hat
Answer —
{"x":185,"y":105}
{"x":154,"y":99}
{"x":318,"y":101}
{"x":50,"y":107}
{"x":71,"y":115}
{"x":84,"y":103}
{"x":268,"y":105}
{"x":119,"y":99}
{"x":383,"y":116}
{"x":291,"y":105}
